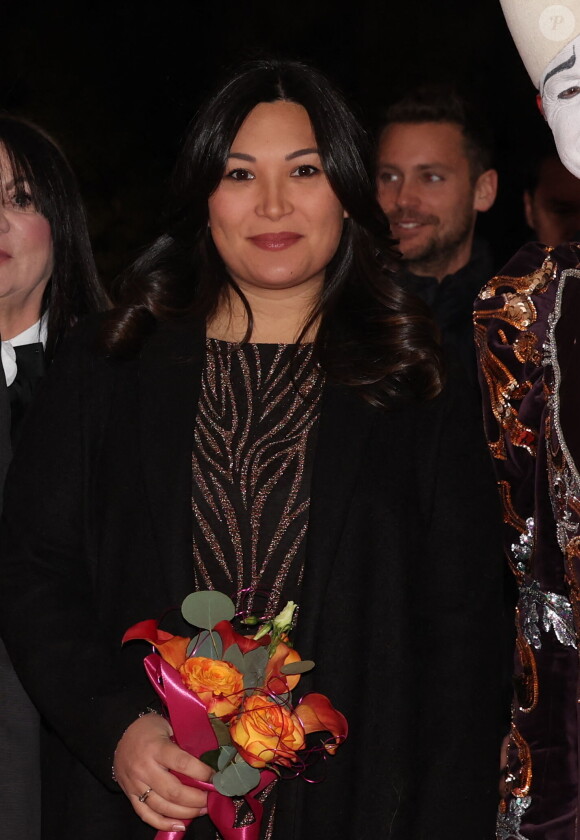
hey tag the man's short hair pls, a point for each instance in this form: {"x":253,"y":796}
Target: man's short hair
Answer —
{"x":443,"y":104}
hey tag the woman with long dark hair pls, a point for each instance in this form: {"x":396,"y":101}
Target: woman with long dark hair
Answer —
{"x":264,"y":414}
{"x":37,"y":177}
{"x":48,"y":281}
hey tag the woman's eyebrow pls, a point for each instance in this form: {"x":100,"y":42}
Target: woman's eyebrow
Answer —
{"x":9,"y":185}
{"x":301,"y":152}
{"x":291,"y":156}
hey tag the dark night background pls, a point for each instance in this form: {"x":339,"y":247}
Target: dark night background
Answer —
{"x":117,"y":85}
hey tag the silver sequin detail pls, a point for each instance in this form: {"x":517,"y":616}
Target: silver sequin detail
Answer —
{"x":522,"y":551}
{"x":555,"y":612}
{"x":565,"y":482}
{"x":535,"y":606}
{"x":509,"y":824}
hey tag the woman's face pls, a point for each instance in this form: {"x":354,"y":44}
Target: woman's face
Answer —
{"x":26,"y":257}
{"x":274,"y":218}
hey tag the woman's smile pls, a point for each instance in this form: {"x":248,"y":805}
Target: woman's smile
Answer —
{"x":275,"y":241}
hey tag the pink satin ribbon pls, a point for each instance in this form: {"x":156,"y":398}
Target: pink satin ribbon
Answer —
{"x":193,"y":732}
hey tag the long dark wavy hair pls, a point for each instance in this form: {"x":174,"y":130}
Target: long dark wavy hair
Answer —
{"x":37,"y":164}
{"x":372,"y":336}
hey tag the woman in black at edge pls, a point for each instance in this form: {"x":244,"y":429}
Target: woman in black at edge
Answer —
{"x":48,"y":281}
{"x":265,"y":411}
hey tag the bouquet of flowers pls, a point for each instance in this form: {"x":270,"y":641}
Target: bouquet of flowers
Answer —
{"x":228,"y":698}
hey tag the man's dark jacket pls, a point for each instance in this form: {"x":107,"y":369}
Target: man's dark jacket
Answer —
{"x":450,"y":302}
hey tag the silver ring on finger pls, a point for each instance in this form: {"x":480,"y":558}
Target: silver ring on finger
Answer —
{"x":144,"y":795}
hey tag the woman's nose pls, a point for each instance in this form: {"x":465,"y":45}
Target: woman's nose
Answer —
{"x":274,"y":201}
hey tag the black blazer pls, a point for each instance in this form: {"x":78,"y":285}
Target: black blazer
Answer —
{"x":5,"y":441}
{"x":400,"y":608}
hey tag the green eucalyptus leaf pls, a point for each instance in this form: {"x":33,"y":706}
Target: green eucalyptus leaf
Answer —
{"x":221,"y":731}
{"x":235,"y":657}
{"x":282,"y":699}
{"x":237,"y":779}
{"x":226,"y":756}
{"x":300,"y":667}
{"x":206,"y":609}
{"x":211,"y":758}
{"x":257,"y":657}
{"x":255,"y":668}
{"x":206,"y":644}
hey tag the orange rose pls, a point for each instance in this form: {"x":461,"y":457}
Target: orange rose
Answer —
{"x":264,"y":731}
{"x":219,"y":685}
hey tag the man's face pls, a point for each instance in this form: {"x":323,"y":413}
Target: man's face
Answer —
{"x":426,"y":190}
{"x":561,"y":104}
{"x":553,"y":209}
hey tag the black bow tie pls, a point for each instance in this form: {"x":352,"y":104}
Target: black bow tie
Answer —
{"x":30,"y":368}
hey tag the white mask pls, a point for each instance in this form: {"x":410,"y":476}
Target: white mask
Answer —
{"x":560,"y":89}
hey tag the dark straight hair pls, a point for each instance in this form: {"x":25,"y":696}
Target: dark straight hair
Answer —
{"x":38,"y":165}
{"x":372,"y":336}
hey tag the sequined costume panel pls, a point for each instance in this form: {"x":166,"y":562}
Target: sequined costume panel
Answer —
{"x":516,"y":317}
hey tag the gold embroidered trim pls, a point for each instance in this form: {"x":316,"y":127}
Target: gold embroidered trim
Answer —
{"x":528,"y":284}
{"x":525,"y":760}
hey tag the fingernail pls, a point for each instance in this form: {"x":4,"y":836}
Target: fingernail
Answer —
{"x":202,"y":812}
{"x":178,"y":827}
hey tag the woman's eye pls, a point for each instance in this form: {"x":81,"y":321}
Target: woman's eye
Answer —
{"x":240,"y":175}
{"x":21,"y":200}
{"x":570,"y":92}
{"x":306,"y":170}
{"x":432,"y":177}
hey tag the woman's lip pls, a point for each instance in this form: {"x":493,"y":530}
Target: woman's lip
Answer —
{"x":275,"y":241}
{"x":4,"y":255}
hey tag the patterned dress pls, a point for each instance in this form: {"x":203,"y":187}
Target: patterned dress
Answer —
{"x":527,"y":322}
{"x":252,"y":459}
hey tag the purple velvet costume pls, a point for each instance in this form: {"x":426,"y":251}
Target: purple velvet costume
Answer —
{"x":527,"y":322}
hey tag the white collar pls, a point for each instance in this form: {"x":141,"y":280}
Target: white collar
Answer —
{"x":37,"y":332}
{"x":31,"y":335}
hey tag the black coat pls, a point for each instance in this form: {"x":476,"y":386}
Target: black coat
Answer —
{"x":400,"y":606}
{"x":19,"y":720}
{"x":450,"y":302}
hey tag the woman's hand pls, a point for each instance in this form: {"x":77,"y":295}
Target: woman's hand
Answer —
{"x":143,"y":758}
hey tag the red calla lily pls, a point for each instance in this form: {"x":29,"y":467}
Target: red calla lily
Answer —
{"x":229,"y":637}
{"x":171,"y":648}
{"x":317,"y":714}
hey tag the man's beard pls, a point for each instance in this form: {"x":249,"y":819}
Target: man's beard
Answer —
{"x":437,"y":252}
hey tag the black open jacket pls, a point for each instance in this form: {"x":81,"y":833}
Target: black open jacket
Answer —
{"x":400,"y":607}
{"x":450,"y":302}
